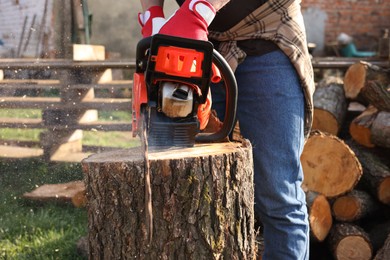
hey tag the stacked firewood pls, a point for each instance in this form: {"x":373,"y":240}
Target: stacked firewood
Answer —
{"x":346,"y":163}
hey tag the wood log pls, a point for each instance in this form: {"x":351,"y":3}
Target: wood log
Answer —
{"x":376,"y":177}
{"x":371,"y":128}
{"x":368,"y":83}
{"x":320,"y":216}
{"x":360,"y":127}
{"x":63,"y":192}
{"x":380,"y":130}
{"x":202,"y":197}
{"x":348,"y":241}
{"x":330,"y":167}
{"x":330,"y":106}
{"x":384,"y":252}
{"x":354,"y":206}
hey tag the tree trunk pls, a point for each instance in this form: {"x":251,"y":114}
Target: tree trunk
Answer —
{"x":369,"y":84}
{"x":329,"y":166}
{"x":353,"y":206}
{"x":330,"y":107}
{"x":376,"y":177}
{"x":202,"y":199}
{"x":349,"y":241}
{"x":320,"y":216}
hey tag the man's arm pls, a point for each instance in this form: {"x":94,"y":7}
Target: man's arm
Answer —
{"x":146,"y":4}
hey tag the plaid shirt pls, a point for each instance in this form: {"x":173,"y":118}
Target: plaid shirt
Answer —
{"x":280,"y":21}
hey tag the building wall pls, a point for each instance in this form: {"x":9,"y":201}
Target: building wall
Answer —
{"x":364,"y":20}
{"x":23,"y":35}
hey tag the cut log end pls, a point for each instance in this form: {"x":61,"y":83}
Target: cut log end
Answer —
{"x":326,"y":161}
{"x":353,"y":247}
{"x":345,"y":208}
{"x":320,"y":217}
{"x":324,"y":121}
{"x":354,"y":80}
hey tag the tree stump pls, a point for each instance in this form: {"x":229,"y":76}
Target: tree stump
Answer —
{"x":202,"y":199}
{"x":330,"y":167}
{"x":330,"y":106}
{"x":348,"y":241}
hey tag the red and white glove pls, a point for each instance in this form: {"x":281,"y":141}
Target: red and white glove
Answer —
{"x":190,"y":20}
{"x":151,"y":20}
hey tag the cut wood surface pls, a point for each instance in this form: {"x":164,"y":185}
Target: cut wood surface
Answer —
{"x":330,"y":106}
{"x":353,"y":206}
{"x":64,"y":192}
{"x":202,"y":203}
{"x":376,"y":177}
{"x":320,"y":216}
{"x":330,"y":167}
{"x":348,"y":241}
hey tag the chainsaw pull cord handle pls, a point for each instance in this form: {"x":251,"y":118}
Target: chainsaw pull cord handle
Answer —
{"x":231,"y":101}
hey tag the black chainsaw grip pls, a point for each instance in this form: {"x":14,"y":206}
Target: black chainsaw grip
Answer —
{"x":141,"y":53}
{"x":231,"y":102}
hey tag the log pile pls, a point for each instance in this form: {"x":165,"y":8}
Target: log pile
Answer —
{"x":346,"y":160}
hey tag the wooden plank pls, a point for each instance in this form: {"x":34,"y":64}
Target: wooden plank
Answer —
{"x":54,"y":84}
{"x":61,"y":64}
{"x":19,"y":152}
{"x":56,"y":103}
{"x":37,"y":123}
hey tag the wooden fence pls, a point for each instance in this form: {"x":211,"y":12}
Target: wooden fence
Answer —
{"x":71,"y":109}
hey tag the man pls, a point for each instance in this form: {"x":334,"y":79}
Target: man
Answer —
{"x":265,"y":44}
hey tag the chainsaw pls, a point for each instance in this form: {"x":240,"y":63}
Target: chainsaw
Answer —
{"x":170,"y":91}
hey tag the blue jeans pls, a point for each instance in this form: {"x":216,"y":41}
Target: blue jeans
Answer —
{"x":271,"y":115}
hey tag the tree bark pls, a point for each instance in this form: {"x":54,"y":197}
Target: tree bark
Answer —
{"x":320,"y":216}
{"x":376,"y":177}
{"x":330,"y":167}
{"x":348,"y":241}
{"x":354,"y":206}
{"x":330,"y":107}
{"x":202,"y":199}
{"x":380,"y":131}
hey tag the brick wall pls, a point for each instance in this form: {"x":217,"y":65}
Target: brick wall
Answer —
{"x":364,"y":20}
{"x":13,"y":15}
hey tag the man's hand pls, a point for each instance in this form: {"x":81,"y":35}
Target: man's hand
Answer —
{"x":190,"y":20}
{"x":151,"y":20}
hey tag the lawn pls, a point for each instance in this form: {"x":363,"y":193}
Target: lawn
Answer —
{"x":31,"y":230}
{"x":38,"y":231}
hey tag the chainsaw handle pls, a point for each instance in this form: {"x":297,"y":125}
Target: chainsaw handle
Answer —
{"x":142,"y":47}
{"x":231,"y":101}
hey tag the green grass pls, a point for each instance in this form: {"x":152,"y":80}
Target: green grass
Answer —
{"x":38,"y":231}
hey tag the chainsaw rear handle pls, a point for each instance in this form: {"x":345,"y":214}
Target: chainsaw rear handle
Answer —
{"x":230,"y":83}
